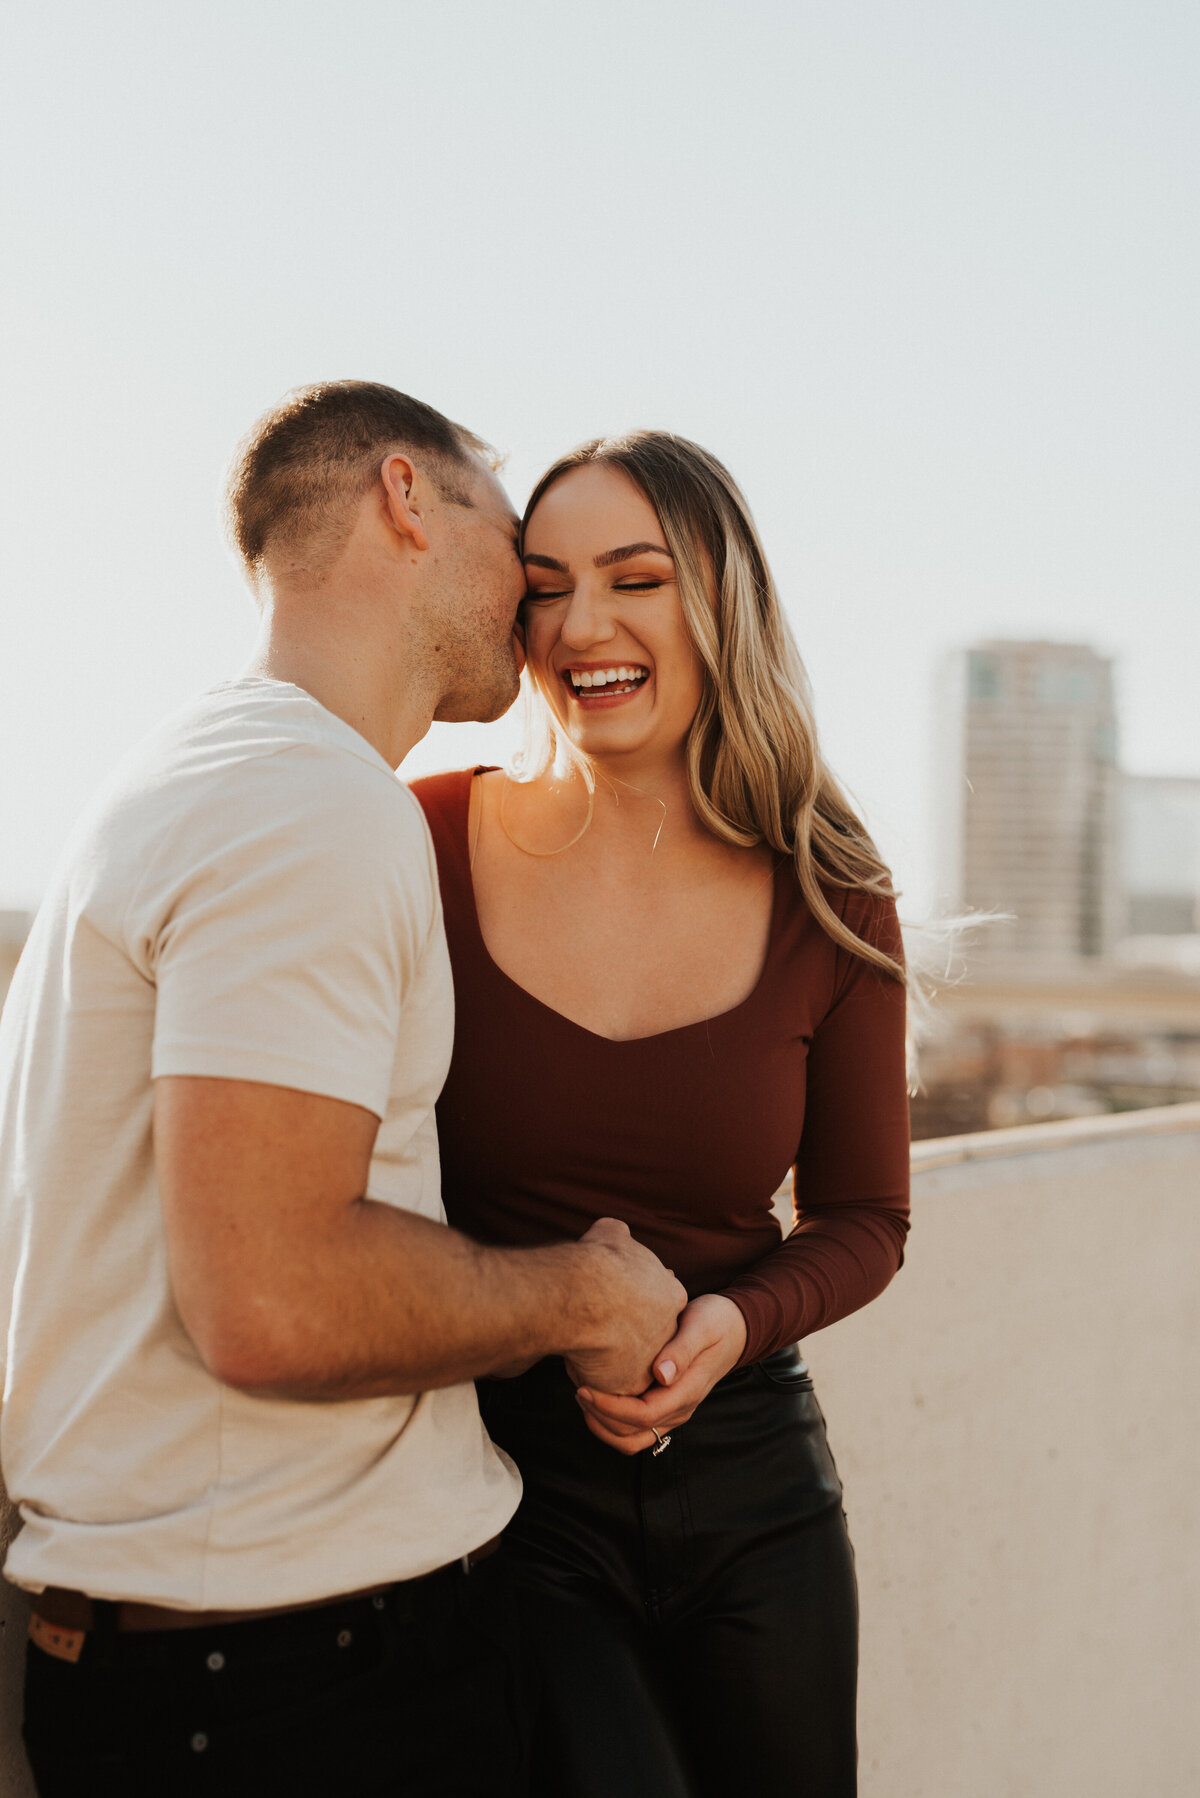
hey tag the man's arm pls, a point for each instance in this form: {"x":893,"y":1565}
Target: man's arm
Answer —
{"x":290,"y":1282}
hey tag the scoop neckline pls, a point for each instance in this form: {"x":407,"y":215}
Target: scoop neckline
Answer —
{"x":615,"y":1042}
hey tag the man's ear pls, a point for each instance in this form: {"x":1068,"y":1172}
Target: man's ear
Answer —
{"x":400,"y":484}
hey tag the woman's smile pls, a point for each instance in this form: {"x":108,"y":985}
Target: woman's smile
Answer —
{"x":593,"y":685}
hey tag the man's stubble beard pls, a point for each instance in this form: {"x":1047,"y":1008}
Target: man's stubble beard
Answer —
{"x":479,"y":705}
{"x":476,"y":674}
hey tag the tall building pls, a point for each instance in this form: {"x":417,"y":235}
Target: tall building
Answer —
{"x":1160,"y":854}
{"x":1028,"y":795}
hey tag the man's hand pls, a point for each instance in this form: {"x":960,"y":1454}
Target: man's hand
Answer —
{"x":635,"y":1303}
{"x":708,"y":1342}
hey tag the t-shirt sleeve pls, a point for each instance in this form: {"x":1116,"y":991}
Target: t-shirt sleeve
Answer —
{"x":851,"y":1173}
{"x":282,"y":926}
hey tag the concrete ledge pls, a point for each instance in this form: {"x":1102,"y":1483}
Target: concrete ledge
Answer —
{"x":995,"y":1162}
{"x":1045,"y":1139}
{"x":1013,"y":1419}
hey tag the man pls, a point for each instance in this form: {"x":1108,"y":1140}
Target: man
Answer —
{"x":237,"y":1419}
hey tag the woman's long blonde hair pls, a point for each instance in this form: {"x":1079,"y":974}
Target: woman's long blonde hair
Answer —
{"x":754,"y":766}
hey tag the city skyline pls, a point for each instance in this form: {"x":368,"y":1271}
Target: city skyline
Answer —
{"x":1038,"y":820}
{"x":1160,"y":841}
{"x":1029,"y":811}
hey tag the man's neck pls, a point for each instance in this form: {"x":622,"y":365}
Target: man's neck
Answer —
{"x":365,"y":683}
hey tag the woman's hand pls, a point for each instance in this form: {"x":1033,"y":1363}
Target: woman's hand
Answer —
{"x":708,"y":1342}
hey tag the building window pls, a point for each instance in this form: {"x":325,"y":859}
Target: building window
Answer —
{"x":983,"y":676}
{"x":1065,"y":686}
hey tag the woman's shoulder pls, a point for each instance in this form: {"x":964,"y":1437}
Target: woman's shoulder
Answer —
{"x":446,"y":798}
{"x":873,"y":919}
{"x":870,"y":915}
{"x":432,"y":789}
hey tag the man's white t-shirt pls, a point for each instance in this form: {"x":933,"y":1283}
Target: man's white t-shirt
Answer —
{"x":253,"y":897}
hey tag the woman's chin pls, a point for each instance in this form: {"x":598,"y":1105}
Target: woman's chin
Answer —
{"x":624,"y":729}
{"x":600,"y":735}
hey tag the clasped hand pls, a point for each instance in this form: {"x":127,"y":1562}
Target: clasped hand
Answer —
{"x":707,"y":1343}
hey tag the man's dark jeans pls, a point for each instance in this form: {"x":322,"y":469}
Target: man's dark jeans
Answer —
{"x":418,"y":1692}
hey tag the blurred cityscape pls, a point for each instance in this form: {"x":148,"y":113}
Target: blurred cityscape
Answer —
{"x":1082,"y":995}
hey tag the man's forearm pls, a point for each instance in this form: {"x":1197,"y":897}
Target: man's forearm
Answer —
{"x":393,"y":1303}
{"x":390,"y":1303}
{"x":289,"y":1282}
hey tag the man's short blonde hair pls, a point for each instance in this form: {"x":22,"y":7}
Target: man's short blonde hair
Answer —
{"x":300,"y":470}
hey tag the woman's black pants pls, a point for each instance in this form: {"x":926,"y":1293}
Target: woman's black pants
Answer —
{"x":692,"y":1614}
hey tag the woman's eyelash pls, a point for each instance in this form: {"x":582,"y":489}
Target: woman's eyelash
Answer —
{"x":532,"y":596}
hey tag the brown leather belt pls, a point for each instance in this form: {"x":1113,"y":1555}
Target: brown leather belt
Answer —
{"x":63,"y":1612}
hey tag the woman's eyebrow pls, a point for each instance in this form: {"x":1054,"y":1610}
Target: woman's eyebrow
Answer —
{"x":606,"y":559}
{"x":626,"y":551}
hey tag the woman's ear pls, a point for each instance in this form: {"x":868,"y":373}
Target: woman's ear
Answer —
{"x":400,"y":485}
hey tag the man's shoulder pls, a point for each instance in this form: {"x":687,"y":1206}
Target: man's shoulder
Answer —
{"x":239,"y":747}
{"x":246,"y":770}
{"x":251,"y":719}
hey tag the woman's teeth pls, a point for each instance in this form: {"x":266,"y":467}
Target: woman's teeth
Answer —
{"x":618,"y":680}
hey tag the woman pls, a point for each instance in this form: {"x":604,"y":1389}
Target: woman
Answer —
{"x":677,"y":973}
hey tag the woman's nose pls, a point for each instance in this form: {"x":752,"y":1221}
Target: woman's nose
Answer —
{"x":587,"y":620}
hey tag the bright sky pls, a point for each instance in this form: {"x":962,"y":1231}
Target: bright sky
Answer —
{"x":925,"y":275}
